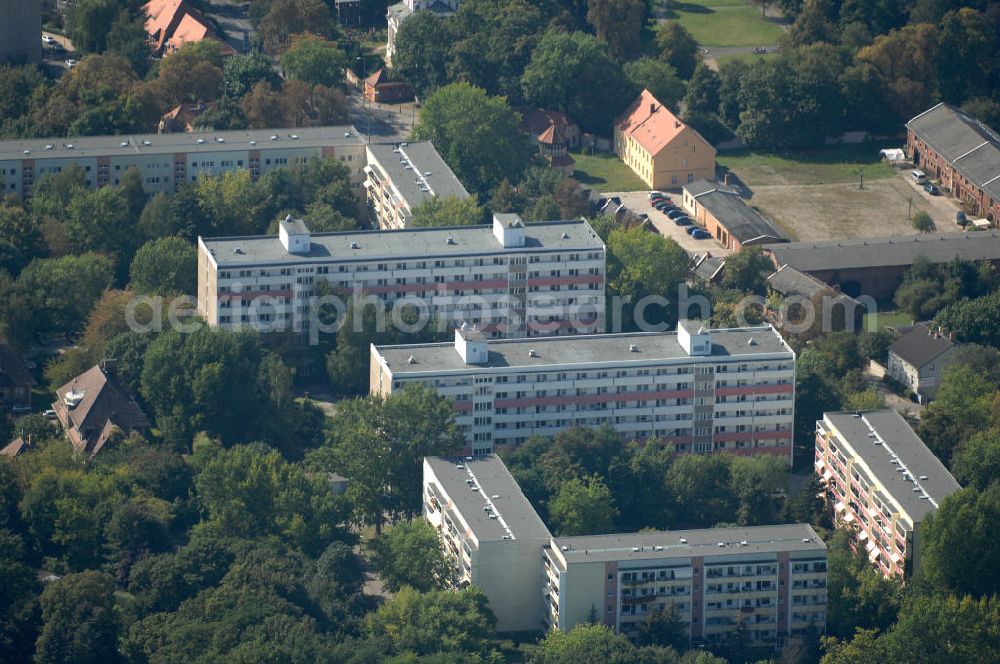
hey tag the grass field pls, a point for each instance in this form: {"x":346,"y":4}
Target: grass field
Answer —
{"x":605,"y":172}
{"x":748,"y":58}
{"x":833,"y":165}
{"x":724,"y":23}
{"x":887,"y":318}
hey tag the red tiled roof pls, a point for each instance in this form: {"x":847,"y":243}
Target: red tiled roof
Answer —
{"x":15,"y":447}
{"x":650,"y":123}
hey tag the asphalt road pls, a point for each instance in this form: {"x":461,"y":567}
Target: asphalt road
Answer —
{"x":384,"y":123}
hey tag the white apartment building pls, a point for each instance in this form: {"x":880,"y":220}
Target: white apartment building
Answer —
{"x":165,"y":161}
{"x":512,"y":280}
{"x":491,"y":533}
{"x":772,"y":579}
{"x":882,"y":482}
{"x":400,"y":177}
{"x":697,"y":389}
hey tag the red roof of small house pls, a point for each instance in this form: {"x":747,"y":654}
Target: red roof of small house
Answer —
{"x":103,"y":405}
{"x":552,"y":136}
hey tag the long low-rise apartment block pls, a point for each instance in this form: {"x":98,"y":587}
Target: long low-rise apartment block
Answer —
{"x":882,"y":482}
{"x":401,"y":177}
{"x":700,"y":390}
{"x":768,"y":580}
{"x":512,"y":280}
{"x":166,"y":161}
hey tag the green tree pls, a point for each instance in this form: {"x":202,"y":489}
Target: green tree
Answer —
{"x":476,"y":135}
{"x":58,"y":308}
{"x":962,"y":406}
{"x":957,"y":546}
{"x":79,"y":620}
{"x":553,"y":80}
{"x":439,"y":621}
{"x":858,"y":596}
{"x":640,"y":264}
{"x":205,"y":380}
{"x":250,"y":491}
{"x":410,"y":554}
{"x":585,"y":643}
{"x":380,"y":442}
{"x":583,"y":507}
{"x":128,"y":38}
{"x":87,"y":24}
{"x":421,"y":55}
{"x":976,"y":462}
{"x":315,"y":60}
{"x":756,"y":481}
{"x":964,"y":67}
{"x":446,"y":211}
{"x":619,"y":23}
{"x":19,"y":588}
{"x":974,"y":321}
{"x":241,"y":73}
{"x":656,"y":76}
{"x":677,"y":48}
{"x":165,"y":266}
{"x":703,"y":90}
{"x":922,"y":223}
{"x":664,"y":628}
{"x":286,"y":18}
{"x":747,"y":271}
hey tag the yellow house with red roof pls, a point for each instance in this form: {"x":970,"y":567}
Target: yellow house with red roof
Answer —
{"x":661,"y":148}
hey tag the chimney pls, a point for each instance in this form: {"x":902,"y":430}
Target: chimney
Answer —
{"x":652,"y":108}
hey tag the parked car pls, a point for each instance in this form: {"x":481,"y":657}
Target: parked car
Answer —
{"x":48,"y":40}
{"x":683,"y":221}
{"x":691,"y":230}
{"x":931,"y":189}
{"x":700,"y":234}
{"x":961,"y":219}
{"x":673,"y":214}
{"x":918,"y":176}
{"x":20,"y":409}
{"x":50,"y":414}
{"x":656,"y":194}
{"x":70,"y":63}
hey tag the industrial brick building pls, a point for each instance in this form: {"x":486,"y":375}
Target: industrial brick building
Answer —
{"x":166,"y":161}
{"x":768,"y":580}
{"x":961,"y":153}
{"x":698,"y":390}
{"x":512,"y":280}
{"x":882,"y":482}
{"x":875,"y":266}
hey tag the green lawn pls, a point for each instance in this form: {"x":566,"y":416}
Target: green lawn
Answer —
{"x":605,"y":172}
{"x":886,"y":319}
{"x":832,"y":165}
{"x":748,"y":58}
{"x":723,"y":23}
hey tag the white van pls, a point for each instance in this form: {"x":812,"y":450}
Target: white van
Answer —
{"x":918,"y":176}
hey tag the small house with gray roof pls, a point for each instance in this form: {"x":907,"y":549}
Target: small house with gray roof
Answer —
{"x":724,"y":214}
{"x":918,"y":359}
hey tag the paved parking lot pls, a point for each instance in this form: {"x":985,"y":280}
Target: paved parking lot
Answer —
{"x":638,"y":203}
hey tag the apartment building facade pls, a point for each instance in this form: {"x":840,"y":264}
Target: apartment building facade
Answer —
{"x":769,"y":579}
{"x":512,"y":280}
{"x":881,"y":481}
{"x":698,"y":390}
{"x":166,"y":161}
{"x":491,"y":533}
{"x":401,"y":177}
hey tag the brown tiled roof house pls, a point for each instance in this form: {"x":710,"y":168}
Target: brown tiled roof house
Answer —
{"x":95,"y":405}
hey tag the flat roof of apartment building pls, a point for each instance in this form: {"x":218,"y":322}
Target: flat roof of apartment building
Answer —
{"x":579,"y":350}
{"x":896,"y":458}
{"x":417,"y":171}
{"x":477,"y":483}
{"x":256,"y":250}
{"x":208,"y":141}
{"x":703,"y":542}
